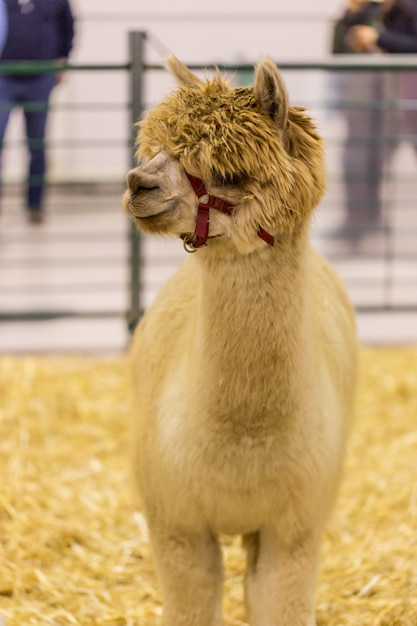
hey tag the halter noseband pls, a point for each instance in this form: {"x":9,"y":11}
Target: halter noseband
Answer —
{"x":201,"y":233}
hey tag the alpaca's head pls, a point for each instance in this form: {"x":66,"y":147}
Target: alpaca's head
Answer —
{"x":246,"y":144}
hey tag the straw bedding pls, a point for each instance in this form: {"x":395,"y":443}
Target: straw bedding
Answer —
{"x":74,"y":546}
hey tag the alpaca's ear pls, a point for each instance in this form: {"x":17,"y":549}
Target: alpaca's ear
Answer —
{"x":270,"y":91}
{"x":183,"y":76}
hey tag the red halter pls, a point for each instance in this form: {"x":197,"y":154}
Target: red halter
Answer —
{"x":200,"y":236}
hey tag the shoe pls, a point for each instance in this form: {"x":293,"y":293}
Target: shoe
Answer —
{"x":356,"y":229}
{"x":35,"y":216}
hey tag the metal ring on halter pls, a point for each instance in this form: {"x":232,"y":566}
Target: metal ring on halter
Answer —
{"x":188,"y":245}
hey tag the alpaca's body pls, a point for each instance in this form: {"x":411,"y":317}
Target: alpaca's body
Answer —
{"x":244,"y":375}
{"x":228,"y":439}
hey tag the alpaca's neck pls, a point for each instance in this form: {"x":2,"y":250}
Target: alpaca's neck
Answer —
{"x":251,"y":312}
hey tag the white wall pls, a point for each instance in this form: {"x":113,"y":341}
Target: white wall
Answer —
{"x":223,"y":32}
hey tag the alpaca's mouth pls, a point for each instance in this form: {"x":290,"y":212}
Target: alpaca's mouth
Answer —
{"x":151,"y":216}
{"x":143,"y":210}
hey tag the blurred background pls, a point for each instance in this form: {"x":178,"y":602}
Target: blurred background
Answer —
{"x":77,"y":281}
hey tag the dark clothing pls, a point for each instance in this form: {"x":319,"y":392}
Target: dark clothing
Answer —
{"x":363,"y":153}
{"x":374,"y":132}
{"x":39,"y":30}
{"x":369,"y":16}
{"x":398,"y":33}
{"x":399,"y":36}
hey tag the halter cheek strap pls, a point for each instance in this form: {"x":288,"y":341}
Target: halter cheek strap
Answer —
{"x":201,"y":233}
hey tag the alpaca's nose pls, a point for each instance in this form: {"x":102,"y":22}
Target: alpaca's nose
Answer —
{"x":137,"y":182}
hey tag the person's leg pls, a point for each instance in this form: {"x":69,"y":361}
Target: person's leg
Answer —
{"x":6,"y":102}
{"x":402,"y":210}
{"x":407,"y":88}
{"x":36,"y":105}
{"x":363,"y":155}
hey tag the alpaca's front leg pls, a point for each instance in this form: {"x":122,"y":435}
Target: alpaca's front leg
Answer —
{"x":190,"y":572}
{"x":280,"y":579}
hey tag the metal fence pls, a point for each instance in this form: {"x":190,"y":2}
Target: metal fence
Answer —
{"x":119,"y":271}
{"x":77,"y":265}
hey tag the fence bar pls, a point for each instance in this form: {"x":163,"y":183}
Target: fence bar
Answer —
{"x":137,"y":54}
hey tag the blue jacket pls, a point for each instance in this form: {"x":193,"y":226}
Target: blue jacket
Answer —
{"x":3,"y":24}
{"x":38,"y":30}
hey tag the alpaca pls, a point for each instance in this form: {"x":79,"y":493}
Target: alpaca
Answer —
{"x":244,"y":365}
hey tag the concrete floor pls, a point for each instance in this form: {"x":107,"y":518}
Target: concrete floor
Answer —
{"x":75,"y":266}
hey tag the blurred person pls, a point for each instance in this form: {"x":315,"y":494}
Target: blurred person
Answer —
{"x":390,"y":27}
{"x":395,"y":34}
{"x":360,"y":94}
{"x":38,"y":30}
{"x":357,"y":12}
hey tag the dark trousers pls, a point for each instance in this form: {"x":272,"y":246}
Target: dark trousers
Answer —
{"x":31,"y":93}
{"x":379,"y":112}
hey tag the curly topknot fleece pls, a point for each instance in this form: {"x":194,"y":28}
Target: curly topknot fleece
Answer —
{"x":247,"y":137}
{"x":214,"y":128}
